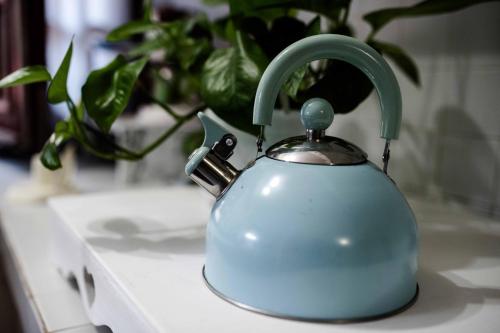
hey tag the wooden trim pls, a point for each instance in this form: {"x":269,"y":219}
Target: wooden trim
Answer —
{"x":22,"y":43}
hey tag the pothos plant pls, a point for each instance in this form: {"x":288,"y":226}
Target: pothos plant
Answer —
{"x":220,"y":63}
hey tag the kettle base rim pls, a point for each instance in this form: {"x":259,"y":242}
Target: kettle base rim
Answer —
{"x":247,"y":307}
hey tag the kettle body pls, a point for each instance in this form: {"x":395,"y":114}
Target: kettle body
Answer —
{"x":322,"y":244}
{"x":311,"y":230}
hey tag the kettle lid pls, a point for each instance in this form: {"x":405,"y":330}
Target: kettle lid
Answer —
{"x":315,"y":147}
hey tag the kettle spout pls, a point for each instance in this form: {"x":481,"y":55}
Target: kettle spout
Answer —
{"x":208,"y":165}
{"x":210,"y":171}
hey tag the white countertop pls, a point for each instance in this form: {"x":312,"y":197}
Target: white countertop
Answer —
{"x":45,"y":301}
{"x":144,"y":249}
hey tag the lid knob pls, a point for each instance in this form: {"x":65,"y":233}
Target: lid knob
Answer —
{"x":316,"y":147}
{"x":316,"y":114}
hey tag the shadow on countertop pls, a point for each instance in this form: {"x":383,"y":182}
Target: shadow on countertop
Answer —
{"x":147,"y":238}
{"x":440,"y":300}
{"x":444,"y":295}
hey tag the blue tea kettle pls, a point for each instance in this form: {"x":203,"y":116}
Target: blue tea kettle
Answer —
{"x":311,"y":230}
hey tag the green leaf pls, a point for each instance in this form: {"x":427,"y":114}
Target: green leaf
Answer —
{"x":330,"y":9}
{"x":132,"y":28}
{"x":50,"y":151}
{"x":80,"y":111}
{"x":215,"y":2}
{"x":58,"y":92}
{"x":149,"y":45}
{"x":50,"y":156}
{"x":106,"y":92}
{"x":229,"y":81}
{"x":218,"y":26}
{"x":63,"y":131}
{"x":184,"y":42}
{"x":313,"y":27}
{"x":25,"y":75}
{"x":284,"y":31}
{"x":343,"y":29}
{"x":342,"y":84}
{"x":198,"y":26}
{"x":294,"y":82}
{"x":379,"y":18}
{"x":192,"y":50}
{"x":147,"y":8}
{"x":230,"y":32}
{"x":400,"y":58}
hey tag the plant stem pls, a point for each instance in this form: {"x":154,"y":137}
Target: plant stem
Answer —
{"x":181,"y":121}
{"x":108,"y":140}
{"x":72,"y":111}
{"x":107,"y":156}
{"x":370,"y":36}
{"x":148,"y":9}
{"x":346,"y":15}
{"x":124,"y":153}
{"x":164,"y":106}
{"x":83,"y":139}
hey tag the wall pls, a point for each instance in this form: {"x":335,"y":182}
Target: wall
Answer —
{"x":450,"y":142}
{"x":449,"y":146}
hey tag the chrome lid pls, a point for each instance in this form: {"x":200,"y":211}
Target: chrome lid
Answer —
{"x":328,"y":150}
{"x":315,"y":147}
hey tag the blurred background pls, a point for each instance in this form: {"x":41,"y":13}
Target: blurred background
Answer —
{"x":450,"y":141}
{"x":449,"y":147}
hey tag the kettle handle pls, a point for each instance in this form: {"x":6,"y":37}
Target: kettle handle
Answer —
{"x":330,"y":46}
